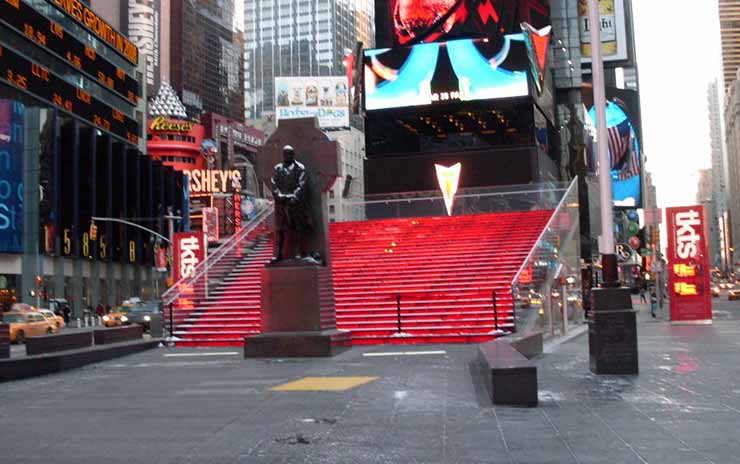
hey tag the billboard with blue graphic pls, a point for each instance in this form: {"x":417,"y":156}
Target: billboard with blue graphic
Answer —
{"x":446,"y":72}
{"x":11,"y":176}
{"x":624,"y":155}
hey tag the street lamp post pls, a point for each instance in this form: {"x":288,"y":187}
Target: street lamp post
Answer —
{"x":613,"y":331}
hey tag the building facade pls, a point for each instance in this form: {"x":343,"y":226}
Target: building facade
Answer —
{"x":206,"y":67}
{"x":348,"y":193}
{"x":729,"y":23}
{"x":732,"y":134}
{"x":717,"y":202}
{"x":297,"y":38}
{"x":70,"y":135}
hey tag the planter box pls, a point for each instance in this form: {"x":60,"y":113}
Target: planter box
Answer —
{"x":58,"y":342}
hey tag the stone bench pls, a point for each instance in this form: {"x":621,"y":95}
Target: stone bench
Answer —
{"x":509,"y":377}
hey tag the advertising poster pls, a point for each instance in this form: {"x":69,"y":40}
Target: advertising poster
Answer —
{"x":325,"y":97}
{"x":688,"y":265}
{"x":210,"y":224}
{"x":144,"y":32}
{"x":613,"y":30}
{"x":410,"y":22}
{"x":624,"y":155}
{"x":439,"y":73}
{"x":11,"y":176}
{"x":189,"y":251}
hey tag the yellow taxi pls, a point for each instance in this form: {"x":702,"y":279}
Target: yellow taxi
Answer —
{"x":27,"y":324}
{"x":58,"y":321}
{"x":118,"y":316}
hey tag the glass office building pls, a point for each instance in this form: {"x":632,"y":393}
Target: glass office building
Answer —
{"x":298,"y":38}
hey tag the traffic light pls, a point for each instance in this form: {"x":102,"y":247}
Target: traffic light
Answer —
{"x":93,"y":231}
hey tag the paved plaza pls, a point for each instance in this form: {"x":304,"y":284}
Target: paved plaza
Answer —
{"x":371,"y":405}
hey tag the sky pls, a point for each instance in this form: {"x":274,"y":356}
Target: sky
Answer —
{"x":675,"y":66}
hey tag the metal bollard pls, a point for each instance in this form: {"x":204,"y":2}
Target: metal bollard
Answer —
{"x":78,"y":323}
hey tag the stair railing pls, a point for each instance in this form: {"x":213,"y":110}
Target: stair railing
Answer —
{"x":557,"y":248}
{"x":184,"y":293}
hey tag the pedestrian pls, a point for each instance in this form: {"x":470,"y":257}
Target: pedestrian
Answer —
{"x":107,"y":309}
{"x":100,"y":310}
{"x":653,"y":304}
{"x":642,"y":294}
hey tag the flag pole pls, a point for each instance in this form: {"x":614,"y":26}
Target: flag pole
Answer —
{"x":606,"y":240}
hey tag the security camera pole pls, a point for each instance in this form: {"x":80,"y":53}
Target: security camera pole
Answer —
{"x":613,"y":329}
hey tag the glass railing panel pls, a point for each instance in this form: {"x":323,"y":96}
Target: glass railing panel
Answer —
{"x":547,"y":288}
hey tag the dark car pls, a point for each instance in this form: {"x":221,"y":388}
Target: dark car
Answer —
{"x":143,"y":313}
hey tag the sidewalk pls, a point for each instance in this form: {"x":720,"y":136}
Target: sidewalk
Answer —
{"x":212,"y":406}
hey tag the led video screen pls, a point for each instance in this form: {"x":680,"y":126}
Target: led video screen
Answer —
{"x":440,"y":73}
{"x":409,"y":22}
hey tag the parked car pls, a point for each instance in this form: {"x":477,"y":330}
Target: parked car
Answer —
{"x":27,"y":324}
{"x":733,"y":294}
{"x":53,"y":318}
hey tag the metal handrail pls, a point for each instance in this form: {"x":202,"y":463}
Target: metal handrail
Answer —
{"x":557,"y":210}
{"x":173,"y":293}
{"x":460,"y":196}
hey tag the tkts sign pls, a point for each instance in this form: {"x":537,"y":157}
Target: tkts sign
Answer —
{"x":189,"y":251}
{"x":688,"y":264}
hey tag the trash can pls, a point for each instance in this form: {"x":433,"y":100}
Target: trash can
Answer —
{"x":156,"y":326}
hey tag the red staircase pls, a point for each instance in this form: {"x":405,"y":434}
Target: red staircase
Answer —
{"x":232,"y":309}
{"x":444,"y":269}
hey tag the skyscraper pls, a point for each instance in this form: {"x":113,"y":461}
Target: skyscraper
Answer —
{"x":206,"y":57}
{"x":298,"y":38}
{"x":729,"y":23}
{"x":718,"y":174}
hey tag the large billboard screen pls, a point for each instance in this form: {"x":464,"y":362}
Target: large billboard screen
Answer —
{"x":11,"y":180}
{"x":688,"y":264}
{"x":324,"y":97}
{"x":440,"y":73}
{"x":624,"y":154}
{"x":409,"y":22}
{"x":613,"y":30}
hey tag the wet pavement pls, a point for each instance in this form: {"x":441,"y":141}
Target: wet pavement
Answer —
{"x":211,"y":406}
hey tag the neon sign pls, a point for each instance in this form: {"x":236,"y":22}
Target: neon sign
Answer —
{"x":214,"y":181}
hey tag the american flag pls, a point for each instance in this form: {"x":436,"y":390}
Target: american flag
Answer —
{"x":623,"y":153}
{"x":619,"y":142}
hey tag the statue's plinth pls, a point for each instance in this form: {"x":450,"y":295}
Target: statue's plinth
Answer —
{"x":298,"y":313}
{"x":612,"y":334}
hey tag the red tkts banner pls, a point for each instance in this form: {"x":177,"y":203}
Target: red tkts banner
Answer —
{"x":688,"y":264}
{"x":189,"y":251}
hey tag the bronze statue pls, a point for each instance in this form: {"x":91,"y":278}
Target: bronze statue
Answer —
{"x":289,"y":184}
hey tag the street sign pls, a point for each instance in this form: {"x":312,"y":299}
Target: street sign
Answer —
{"x":624,"y":252}
{"x":688,"y":259}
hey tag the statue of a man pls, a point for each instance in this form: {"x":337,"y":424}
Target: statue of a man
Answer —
{"x":289,"y":181}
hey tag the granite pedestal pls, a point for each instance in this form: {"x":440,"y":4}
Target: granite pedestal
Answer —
{"x":612,"y":334}
{"x":298,"y":314}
